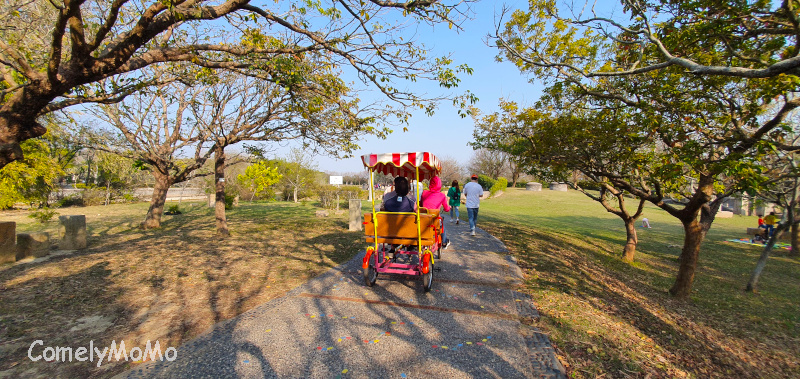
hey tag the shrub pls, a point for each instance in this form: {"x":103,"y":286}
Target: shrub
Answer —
{"x":498,"y":185}
{"x":43,"y":215}
{"x":327,"y":196}
{"x":352,"y":192}
{"x":229,"y":200}
{"x":93,"y":196}
{"x":174,"y":209}
{"x":70,"y":201}
{"x":486,"y":182}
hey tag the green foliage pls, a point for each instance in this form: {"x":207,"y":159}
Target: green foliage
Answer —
{"x":328,"y":195}
{"x":93,"y":196}
{"x":70,"y":201}
{"x":229,"y":200}
{"x":32,"y":179}
{"x":175,"y":209}
{"x":259,"y":177}
{"x":486,"y":182}
{"x":43,"y":215}
{"x":499,"y":185}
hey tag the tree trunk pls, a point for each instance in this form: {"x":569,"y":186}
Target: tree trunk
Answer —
{"x":162,"y":184}
{"x":295,"y":194}
{"x":694,"y":233}
{"x":795,"y":240}
{"x":219,"y":180}
{"x":762,"y":260}
{"x":630,"y":245}
{"x":108,"y":192}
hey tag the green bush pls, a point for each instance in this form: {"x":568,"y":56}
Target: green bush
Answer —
{"x":43,"y":215}
{"x":229,"y":200}
{"x":70,"y":201}
{"x":486,"y":182}
{"x":352,"y":192}
{"x":174,"y":209}
{"x":93,"y":196}
{"x":327,"y":196}
{"x":498,"y":185}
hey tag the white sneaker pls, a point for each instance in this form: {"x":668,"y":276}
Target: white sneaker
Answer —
{"x":473,"y":233}
{"x":451,"y":221}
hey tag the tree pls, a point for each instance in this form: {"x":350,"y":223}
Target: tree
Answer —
{"x":731,"y":39}
{"x":298,"y":171}
{"x":306,"y":101}
{"x":259,"y":177}
{"x":451,"y":170}
{"x":700,"y":137}
{"x":487,"y":162}
{"x":782,"y":188}
{"x":115,"y":171}
{"x":55,"y":55}
{"x":708,"y":121}
{"x":152,"y":128}
{"x":554,"y":146}
{"x":32,"y":179}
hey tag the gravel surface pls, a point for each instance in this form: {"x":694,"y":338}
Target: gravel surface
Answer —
{"x":333,"y":326}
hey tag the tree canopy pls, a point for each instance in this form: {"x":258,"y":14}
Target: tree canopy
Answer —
{"x":55,"y":54}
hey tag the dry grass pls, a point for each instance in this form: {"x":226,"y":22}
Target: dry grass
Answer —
{"x":610,"y":319}
{"x":167,"y":285}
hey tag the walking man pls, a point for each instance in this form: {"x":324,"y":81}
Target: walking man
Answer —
{"x":473,"y":191}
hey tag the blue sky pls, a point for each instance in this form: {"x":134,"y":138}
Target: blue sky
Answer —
{"x":445,"y":133}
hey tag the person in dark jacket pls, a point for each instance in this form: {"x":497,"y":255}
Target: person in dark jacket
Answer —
{"x":400,"y":202}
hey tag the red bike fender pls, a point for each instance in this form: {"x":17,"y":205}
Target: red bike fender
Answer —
{"x":426,"y":263}
{"x":365,"y":264}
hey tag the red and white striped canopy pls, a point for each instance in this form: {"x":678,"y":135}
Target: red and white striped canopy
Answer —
{"x":404,"y":164}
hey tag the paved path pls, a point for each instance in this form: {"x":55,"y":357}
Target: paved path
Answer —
{"x":471,"y":325}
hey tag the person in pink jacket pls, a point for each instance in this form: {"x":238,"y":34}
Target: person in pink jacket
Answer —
{"x":433,"y":198}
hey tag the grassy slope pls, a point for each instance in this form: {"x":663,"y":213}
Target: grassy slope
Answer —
{"x":610,"y":318}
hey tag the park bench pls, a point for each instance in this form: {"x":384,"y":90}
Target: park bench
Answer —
{"x":401,"y":229}
{"x":757,"y":231}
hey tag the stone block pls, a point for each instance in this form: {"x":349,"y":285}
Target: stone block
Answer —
{"x":558,"y":187}
{"x":212,"y":200}
{"x":724,"y":214}
{"x":73,"y":232}
{"x":321,"y":213}
{"x":533,"y":186}
{"x":356,"y":218}
{"x":33,"y":245}
{"x":8,"y":241}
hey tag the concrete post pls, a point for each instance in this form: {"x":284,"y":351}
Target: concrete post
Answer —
{"x":8,"y":241}
{"x":73,"y":232}
{"x":212,"y":200}
{"x":533,"y":186}
{"x":355,"y":215}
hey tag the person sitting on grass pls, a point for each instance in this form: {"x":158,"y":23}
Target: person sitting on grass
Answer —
{"x":434,"y":199}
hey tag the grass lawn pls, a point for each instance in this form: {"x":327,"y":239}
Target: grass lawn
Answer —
{"x":168,"y":284}
{"x":611,"y":319}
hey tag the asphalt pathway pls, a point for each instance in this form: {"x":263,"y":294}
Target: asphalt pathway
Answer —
{"x":473,"y":324}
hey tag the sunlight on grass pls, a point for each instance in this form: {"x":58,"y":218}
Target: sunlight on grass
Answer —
{"x":608,"y":317}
